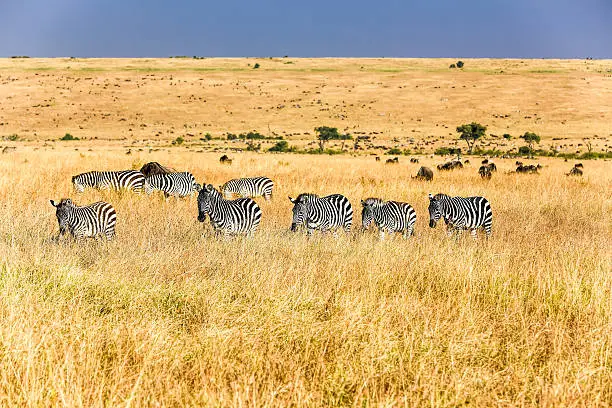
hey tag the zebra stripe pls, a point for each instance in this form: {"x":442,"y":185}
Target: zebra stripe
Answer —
{"x":176,"y":184}
{"x":128,"y":179}
{"x":389,"y":216}
{"x":248,"y":187}
{"x":87,"y":221}
{"x":321,"y":213}
{"x":461,"y":213}
{"x":230,"y":217}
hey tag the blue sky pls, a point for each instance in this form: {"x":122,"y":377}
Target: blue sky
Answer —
{"x":313,"y":28}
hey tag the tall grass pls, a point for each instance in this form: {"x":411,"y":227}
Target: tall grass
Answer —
{"x":168,"y":315}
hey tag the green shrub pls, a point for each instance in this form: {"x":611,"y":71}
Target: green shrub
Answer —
{"x":178,"y":141}
{"x":68,"y":136}
{"x":13,"y":137}
{"x":444,"y":151}
{"x":523,"y":150}
{"x":231,"y":136}
{"x":256,"y":65}
{"x":507,"y":136}
{"x":282,"y":146}
{"x":394,"y":151}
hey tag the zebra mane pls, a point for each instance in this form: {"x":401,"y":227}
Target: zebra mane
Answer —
{"x":440,"y":196}
{"x":305,"y":197}
{"x":372,"y":201}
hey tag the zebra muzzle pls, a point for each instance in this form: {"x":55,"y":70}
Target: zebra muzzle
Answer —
{"x":432,"y":223}
{"x":201,"y":217}
{"x":294,"y":227}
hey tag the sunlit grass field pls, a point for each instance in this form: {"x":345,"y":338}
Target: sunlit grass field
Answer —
{"x":169,"y":315}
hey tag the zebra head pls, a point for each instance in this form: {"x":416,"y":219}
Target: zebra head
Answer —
{"x":205,"y":197}
{"x":367,"y":213}
{"x":62,"y":209}
{"x":79,"y":183}
{"x":435,"y":210}
{"x":300,"y":211}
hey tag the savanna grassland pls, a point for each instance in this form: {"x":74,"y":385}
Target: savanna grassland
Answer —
{"x":169,"y":315}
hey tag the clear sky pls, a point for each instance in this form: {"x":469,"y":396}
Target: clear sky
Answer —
{"x":311,"y":28}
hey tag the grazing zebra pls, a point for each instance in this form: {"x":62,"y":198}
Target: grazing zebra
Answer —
{"x":87,"y":221}
{"x":128,"y":179}
{"x":230,"y":217}
{"x":461,"y":213}
{"x":323,"y":213}
{"x":175,"y":184}
{"x":248,"y":187}
{"x":389,"y":216}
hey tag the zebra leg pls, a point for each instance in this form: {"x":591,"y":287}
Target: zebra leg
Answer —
{"x":474,"y":233}
{"x":381,"y":234}
{"x":110,"y":234}
{"x":309,"y":231}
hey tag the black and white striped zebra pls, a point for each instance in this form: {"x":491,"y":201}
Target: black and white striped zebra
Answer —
{"x":322,"y":213}
{"x":87,"y":221}
{"x":389,"y":216}
{"x":176,"y":184}
{"x":248,"y":187}
{"x":117,"y":180}
{"x":461,"y":213}
{"x":229,"y":217}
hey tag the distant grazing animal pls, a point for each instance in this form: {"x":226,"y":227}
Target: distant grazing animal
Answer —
{"x":152,"y":168}
{"x":117,"y":180}
{"x":492,"y":167}
{"x":225,"y":160}
{"x":248,"y":187}
{"x":414,"y":160}
{"x":519,"y":163}
{"x":172,"y":184}
{"x":87,"y":221}
{"x":377,"y":158}
{"x":485,"y":161}
{"x":8,"y":149}
{"x":455,"y":164}
{"x":485,"y":172}
{"x":394,"y":160}
{"x":228,"y":217}
{"x":321,"y":213}
{"x":466,"y":162}
{"x":527,"y":169}
{"x":575,"y":171}
{"x":389,"y":216}
{"x":424,"y":173}
{"x":578,"y":165}
{"x":461,"y":213}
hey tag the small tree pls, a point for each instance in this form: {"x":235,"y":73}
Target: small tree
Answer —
{"x":470,"y":133}
{"x":326,"y":133}
{"x":507,"y":136}
{"x":531,"y":138}
{"x":459,"y":64}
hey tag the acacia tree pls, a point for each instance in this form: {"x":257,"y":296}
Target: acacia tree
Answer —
{"x":326,"y":133}
{"x":470,"y":133}
{"x":531,"y":138}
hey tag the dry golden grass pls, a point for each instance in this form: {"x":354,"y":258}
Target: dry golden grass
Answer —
{"x":408,"y":103}
{"x":168,"y":315}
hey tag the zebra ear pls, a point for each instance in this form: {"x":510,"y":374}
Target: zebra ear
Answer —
{"x":292,"y":200}
{"x":362,"y":202}
{"x":53,"y":203}
{"x":430,"y":196}
{"x":209,"y":187}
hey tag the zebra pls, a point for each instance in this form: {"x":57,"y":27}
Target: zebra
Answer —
{"x":175,"y":184}
{"x":461,"y":213}
{"x":230,"y":217}
{"x":248,"y":187}
{"x":87,"y":221}
{"x":128,"y":179}
{"x":323,"y":213}
{"x":389,"y":216}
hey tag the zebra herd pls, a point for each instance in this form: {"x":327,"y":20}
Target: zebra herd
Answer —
{"x":241,"y":216}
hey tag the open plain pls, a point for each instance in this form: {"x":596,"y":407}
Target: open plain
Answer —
{"x":169,"y":315}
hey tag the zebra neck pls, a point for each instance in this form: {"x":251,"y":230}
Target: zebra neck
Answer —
{"x":216,"y":208}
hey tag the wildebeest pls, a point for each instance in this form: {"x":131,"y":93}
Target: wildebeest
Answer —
{"x":575,"y":171}
{"x":485,"y":161}
{"x":578,"y":165}
{"x":393,"y":160}
{"x":485,"y":172}
{"x":377,"y":158}
{"x":424,"y":173}
{"x":451,"y":165}
{"x":519,"y":163}
{"x":466,"y":162}
{"x":527,"y":169}
{"x":414,"y":160}
{"x":152,"y":168}
{"x":492,"y":166}
{"x":225,"y":159}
